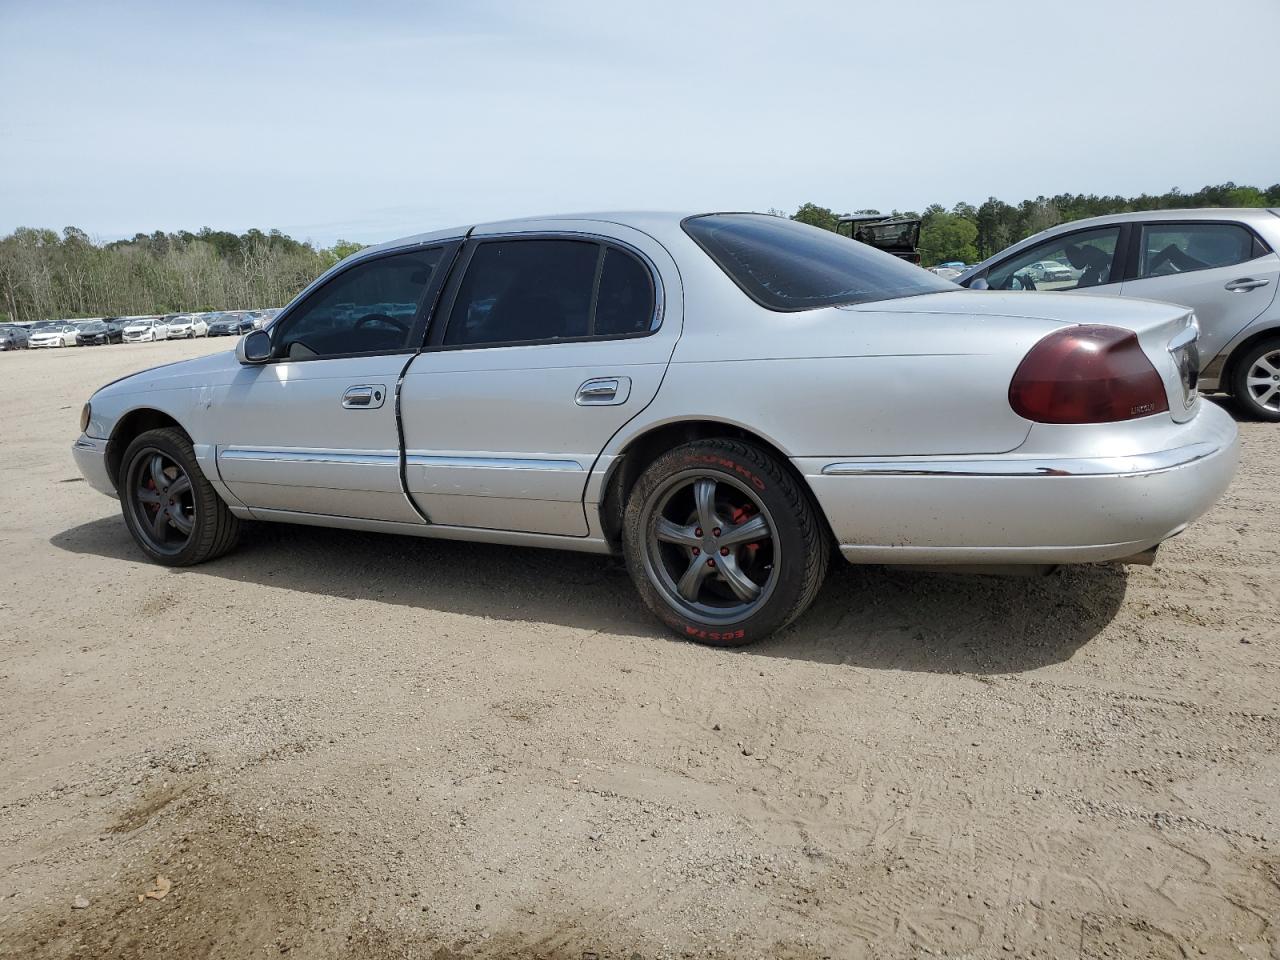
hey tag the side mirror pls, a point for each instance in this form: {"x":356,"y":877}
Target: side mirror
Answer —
{"x":254,"y":347}
{"x":979,"y":283}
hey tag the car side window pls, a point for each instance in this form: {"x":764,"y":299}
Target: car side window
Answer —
{"x":1069,"y":262}
{"x":1170,"y":248}
{"x":543,"y":290}
{"x":373,"y":307}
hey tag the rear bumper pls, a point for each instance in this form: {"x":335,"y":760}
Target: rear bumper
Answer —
{"x":90,"y":455}
{"x":1025,"y":508}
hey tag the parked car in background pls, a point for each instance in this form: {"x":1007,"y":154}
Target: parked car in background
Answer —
{"x":1222,"y":263}
{"x":116,"y":325}
{"x":1051,"y":271}
{"x":148,"y":328}
{"x":224,"y":326}
{"x":92,"y":333}
{"x":59,"y":334}
{"x":185,"y":326}
{"x":13,"y":337}
{"x":647,"y":384}
{"x":944,"y":271}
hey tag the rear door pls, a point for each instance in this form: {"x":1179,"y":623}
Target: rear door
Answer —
{"x":547,"y":342}
{"x":1220,"y":269}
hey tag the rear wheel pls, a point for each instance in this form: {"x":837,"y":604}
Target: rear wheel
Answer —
{"x":723,"y":543}
{"x":172,"y":511}
{"x":1256,"y":381}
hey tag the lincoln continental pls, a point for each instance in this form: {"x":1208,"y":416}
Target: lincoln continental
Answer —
{"x":727,"y":400}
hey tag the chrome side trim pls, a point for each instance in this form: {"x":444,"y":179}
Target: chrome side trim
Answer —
{"x":311,"y":456}
{"x":85,"y":442}
{"x":436,"y":531}
{"x":494,"y":463}
{"x":1135,"y":465}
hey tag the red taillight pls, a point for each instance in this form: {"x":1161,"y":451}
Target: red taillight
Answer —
{"x":1087,"y":374}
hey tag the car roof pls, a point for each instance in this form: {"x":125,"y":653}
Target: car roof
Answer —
{"x":645,"y":221}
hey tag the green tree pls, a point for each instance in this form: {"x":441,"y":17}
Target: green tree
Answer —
{"x":816,"y":216}
{"x":944,"y":236}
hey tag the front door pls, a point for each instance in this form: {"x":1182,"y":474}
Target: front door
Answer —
{"x":546,"y":344}
{"x":314,"y":429}
{"x":1218,"y":270}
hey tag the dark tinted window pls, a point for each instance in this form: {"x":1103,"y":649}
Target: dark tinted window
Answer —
{"x":370,"y":308}
{"x":1169,"y":248}
{"x":624,"y":303}
{"x":519,"y":290}
{"x":785,"y":265}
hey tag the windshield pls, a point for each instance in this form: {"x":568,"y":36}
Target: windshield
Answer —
{"x":788,"y":266}
{"x":91,"y":326}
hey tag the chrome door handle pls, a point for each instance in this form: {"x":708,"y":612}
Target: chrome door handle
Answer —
{"x":365,"y":396}
{"x":604,"y":392}
{"x":1246,"y":283}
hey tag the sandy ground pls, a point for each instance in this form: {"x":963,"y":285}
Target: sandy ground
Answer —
{"x":342,"y":745}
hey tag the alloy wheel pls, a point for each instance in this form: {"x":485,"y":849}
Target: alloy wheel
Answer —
{"x":710,"y":547}
{"x":1263,"y":381}
{"x":162,"y":501}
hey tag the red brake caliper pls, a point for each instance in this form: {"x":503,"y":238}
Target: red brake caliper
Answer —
{"x":739,"y":515}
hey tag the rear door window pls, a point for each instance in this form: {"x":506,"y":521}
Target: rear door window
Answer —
{"x":1169,"y":248}
{"x":540,"y":290}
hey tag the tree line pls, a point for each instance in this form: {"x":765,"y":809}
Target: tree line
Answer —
{"x":973,"y":233}
{"x":47,"y":275}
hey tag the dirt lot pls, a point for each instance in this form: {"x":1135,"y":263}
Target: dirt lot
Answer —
{"x":342,"y":745}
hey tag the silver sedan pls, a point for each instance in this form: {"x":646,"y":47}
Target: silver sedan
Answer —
{"x":722,"y":398}
{"x":1221,"y":263}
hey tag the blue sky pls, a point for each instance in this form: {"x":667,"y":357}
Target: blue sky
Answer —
{"x":376,"y":119}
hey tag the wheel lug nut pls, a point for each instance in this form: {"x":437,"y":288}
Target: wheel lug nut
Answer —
{"x":697,"y":531}
{"x":724,"y":551}
{"x":696,"y":551}
{"x":711,"y":563}
{"x":715,"y":532}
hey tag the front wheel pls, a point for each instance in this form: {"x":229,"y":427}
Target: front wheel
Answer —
{"x":172,"y":511}
{"x":1256,"y":381}
{"x":723,"y":543}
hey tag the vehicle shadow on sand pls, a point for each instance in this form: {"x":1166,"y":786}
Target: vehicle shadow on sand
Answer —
{"x":874,"y":617}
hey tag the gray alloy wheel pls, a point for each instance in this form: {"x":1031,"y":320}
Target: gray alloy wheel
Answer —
{"x":169,"y":506}
{"x":1255,"y":382}
{"x":710,"y":547}
{"x":159,"y":494}
{"x":1263,"y":381}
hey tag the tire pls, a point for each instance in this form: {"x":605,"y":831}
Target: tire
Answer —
{"x":684,"y":573}
{"x":1260,"y":398}
{"x":155,"y":512}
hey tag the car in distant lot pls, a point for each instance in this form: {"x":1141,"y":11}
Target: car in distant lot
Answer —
{"x":55,"y":335}
{"x":720,"y":398}
{"x":149,"y":328}
{"x":229,"y":326}
{"x":1221,"y":263}
{"x":1050,"y":271}
{"x":13,"y":337}
{"x":186,"y":326}
{"x":93,"y":333}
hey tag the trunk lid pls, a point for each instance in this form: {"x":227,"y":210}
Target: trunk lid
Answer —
{"x":1166,"y":332}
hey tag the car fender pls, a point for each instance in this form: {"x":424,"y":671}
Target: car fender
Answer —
{"x":1213,"y":376}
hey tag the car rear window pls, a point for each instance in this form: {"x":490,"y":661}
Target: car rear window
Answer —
{"x":788,"y":266}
